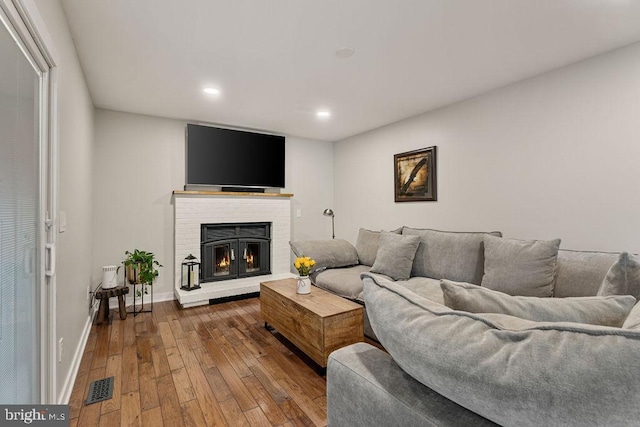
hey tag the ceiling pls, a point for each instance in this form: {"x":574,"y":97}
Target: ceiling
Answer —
{"x":275,"y":61}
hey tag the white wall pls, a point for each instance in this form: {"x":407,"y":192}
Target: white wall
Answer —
{"x":309,"y":176}
{"x":75,"y":136}
{"x":552,"y":156}
{"x":137,"y":165}
{"x":139,"y":162}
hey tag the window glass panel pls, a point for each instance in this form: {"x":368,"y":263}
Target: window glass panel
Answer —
{"x":19,"y":201}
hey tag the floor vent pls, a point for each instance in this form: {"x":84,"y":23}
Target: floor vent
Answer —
{"x":100,"y":390}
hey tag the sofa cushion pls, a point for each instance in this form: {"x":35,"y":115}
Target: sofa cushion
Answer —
{"x":343,"y":281}
{"x":425,"y":287}
{"x":449,"y":255}
{"x":633,"y":320}
{"x":395,"y":255}
{"x":367,"y":245}
{"x":520,"y":267}
{"x":605,"y":311}
{"x":509,"y":370}
{"x":327,"y":253}
{"x":580,"y":273}
{"x":623,"y":278}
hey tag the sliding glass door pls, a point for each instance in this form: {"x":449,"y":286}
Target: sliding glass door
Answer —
{"x":23,"y":199}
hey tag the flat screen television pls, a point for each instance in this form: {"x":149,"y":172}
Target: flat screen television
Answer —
{"x":235,"y":158}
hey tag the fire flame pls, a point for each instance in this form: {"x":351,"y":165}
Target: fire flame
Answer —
{"x":224,"y":262}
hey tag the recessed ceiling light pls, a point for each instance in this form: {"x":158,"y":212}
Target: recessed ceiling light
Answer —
{"x":323,"y":114}
{"x":211,"y":91}
{"x":345,"y":52}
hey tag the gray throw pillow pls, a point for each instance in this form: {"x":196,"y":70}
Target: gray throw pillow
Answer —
{"x":449,"y":255}
{"x":520,"y":267}
{"x":367,"y":245}
{"x":326,"y":253}
{"x":605,"y":311}
{"x":623,"y":277}
{"x":395,"y":255}
{"x":633,"y":320}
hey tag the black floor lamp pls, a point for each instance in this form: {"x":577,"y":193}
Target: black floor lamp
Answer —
{"x":329,"y":212}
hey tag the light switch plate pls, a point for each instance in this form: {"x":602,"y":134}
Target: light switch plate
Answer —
{"x":62,"y":221}
{"x":299,"y":213}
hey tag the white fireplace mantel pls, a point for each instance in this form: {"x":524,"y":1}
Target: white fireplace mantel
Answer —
{"x":193,"y":208}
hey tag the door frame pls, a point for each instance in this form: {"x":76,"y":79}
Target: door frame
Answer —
{"x":27,"y":28}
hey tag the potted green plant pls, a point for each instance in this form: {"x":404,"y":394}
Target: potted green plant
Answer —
{"x":141,"y":268}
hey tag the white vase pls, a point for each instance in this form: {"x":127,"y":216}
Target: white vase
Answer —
{"x":304,"y":285}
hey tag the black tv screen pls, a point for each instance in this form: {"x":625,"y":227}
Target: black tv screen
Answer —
{"x":217,"y":156}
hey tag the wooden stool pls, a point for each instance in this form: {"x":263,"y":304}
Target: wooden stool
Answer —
{"x":103,"y":295}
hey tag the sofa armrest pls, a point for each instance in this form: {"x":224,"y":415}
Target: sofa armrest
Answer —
{"x":365,"y":387}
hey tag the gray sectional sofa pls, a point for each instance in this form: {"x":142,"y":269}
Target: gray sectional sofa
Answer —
{"x":481,"y":329}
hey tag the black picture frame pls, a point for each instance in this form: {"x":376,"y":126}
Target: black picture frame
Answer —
{"x":415,"y":175}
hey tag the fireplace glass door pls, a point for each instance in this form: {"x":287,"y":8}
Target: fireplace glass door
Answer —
{"x":252,"y":257}
{"x":222,"y":256}
{"x":255,"y":257}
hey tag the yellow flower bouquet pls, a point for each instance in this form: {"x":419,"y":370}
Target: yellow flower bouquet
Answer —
{"x":303,"y":264}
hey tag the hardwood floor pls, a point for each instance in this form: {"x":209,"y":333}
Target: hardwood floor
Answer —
{"x":203,"y":366}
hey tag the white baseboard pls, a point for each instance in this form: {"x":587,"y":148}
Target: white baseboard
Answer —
{"x":75,"y":363}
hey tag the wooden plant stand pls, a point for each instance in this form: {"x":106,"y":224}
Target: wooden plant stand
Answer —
{"x":103,"y":295}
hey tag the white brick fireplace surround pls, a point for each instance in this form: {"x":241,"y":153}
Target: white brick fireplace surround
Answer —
{"x":193,"y":208}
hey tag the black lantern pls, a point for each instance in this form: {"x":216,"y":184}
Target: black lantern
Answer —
{"x":190,"y":277}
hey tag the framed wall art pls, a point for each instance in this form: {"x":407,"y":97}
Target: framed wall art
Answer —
{"x":415,"y":175}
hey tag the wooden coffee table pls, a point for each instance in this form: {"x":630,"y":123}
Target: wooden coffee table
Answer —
{"x":316,"y":323}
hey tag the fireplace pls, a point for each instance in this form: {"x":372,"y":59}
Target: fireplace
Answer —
{"x":193,"y":209}
{"x":233,"y":251}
